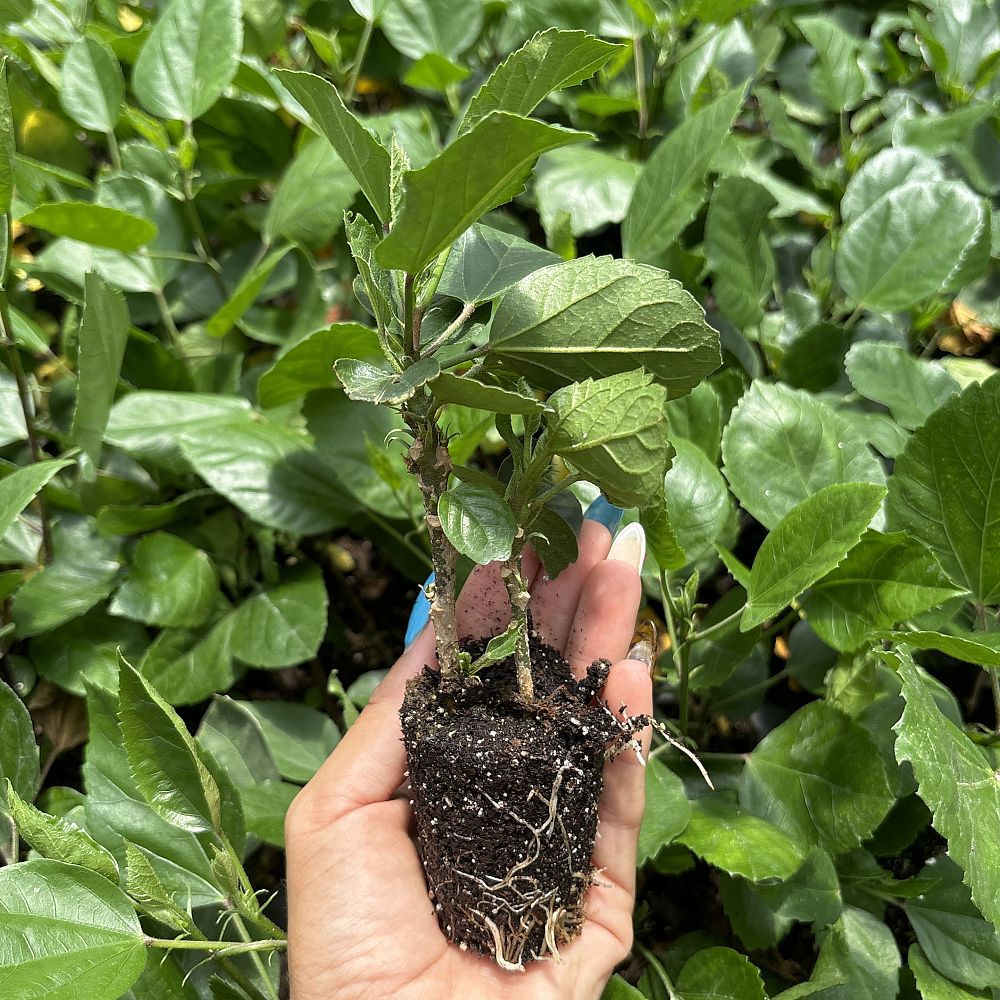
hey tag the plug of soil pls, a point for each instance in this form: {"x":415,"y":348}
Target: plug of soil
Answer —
{"x":505,"y":797}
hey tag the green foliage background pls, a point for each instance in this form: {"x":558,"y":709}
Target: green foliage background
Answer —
{"x":193,"y":488}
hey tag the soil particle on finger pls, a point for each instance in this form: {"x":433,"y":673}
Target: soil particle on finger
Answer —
{"x":505,"y":798}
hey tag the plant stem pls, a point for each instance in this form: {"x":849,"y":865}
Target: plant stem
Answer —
{"x":201,"y":241}
{"x":657,"y":966}
{"x":639,"y":58}
{"x":24,"y":395}
{"x":450,"y":330}
{"x":233,"y":947}
{"x":113,"y":152}
{"x":411,"y":318}
{"x":517,"y":592}
{"x":241,"y":929}
{"x":359,"y":58}
{"x":167,"y":319}
{"x":717,"y":627}
{"x":982,"y":620}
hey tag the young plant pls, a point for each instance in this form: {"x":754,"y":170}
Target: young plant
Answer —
{"x":576,"y":361}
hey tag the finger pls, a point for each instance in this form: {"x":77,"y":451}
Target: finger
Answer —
{"x":483,"y":608}
{"x":553,"y":602}
{"x":605,"y":615}
{"x":368,"y":764}
{"x":624,"y":797}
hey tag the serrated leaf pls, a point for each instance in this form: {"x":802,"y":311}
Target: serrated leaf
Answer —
{"x":361,"y":151}
{"x":737,"y":249}
{"x":550,"y":60}
{"x":944,"y":489}
{"x":596,"y":316}
{"x":781,"y":445}
{"x":934,"y":986}
{"x":981,"y":648}
{"x":165,"y":761}
{"x":720,"y":974}
{"x":382,"y":385}
{"x":103,"y":338}
{"x":951,"y":931}
{"x":819,"y":777}
{"x":696,"y":499}
{"x":669,"y":192}
{"x":282,"y":625}
{"x":885,"y":579}
{"x":18,"y":756}
{"x":554,"y":539}
{"x":417,"y":27}
{"x":808,"y":542}
{"x":887,"y":374}
{"x":485,"y":262}
{"x":478,"y":522}
{"x":837,"y":77}
{"x":19,"y":488}
{"x":482,"y":169}
{"x":955,"y":781}
{"x":92,"y":85}
{"x":377,"y":281}
{"x":450,"y":388}
{"x":667,"y":810}
{"x":59,"y":840}
{"x":299,"y":738}
{"x":189,"y":58}
{"x":612,"y":430}
{"x":98,"y":225}
{"x":7,"y":145}
{"x":740,"y":843}
{"x":170,"y":583}
{"x":67,"y":932}
{"x":309,"y":364}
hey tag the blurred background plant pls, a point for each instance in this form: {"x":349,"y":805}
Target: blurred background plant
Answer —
{"x":198,"y":493}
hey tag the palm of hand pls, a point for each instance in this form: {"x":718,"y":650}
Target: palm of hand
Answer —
{"x":360,"y":922}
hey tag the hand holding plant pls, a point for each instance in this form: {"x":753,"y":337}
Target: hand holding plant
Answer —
{"x":360,"y":921}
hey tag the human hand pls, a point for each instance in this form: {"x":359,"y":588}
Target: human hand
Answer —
{"x":360,"y":922}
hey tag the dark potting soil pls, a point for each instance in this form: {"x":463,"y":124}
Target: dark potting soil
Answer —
{"x":505,"y":799}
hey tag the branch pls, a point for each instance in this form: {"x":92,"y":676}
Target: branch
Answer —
{"x":450,"y":330}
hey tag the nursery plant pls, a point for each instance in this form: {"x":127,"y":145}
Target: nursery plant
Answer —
{"x":303,"y":301}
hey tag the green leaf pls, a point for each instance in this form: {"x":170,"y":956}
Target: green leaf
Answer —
{"x":189,"y":58}
{"x":808,"y":542}
{"x":782,"y":445}
{"x":361,"y":152}
{"x":696,"y":500}
{"x":550,"y":60}
{"x":858,"y":960}
{"x":885,"y":579}
{"x":907,"y":239}
{"x":593,"y":317}
{"x":58,"y":839}
{"x":299,"y":738}
{"x":720,"y":974}
{"x":234,"y":738}
{"x":887,"y":374}
{"x":284,"y":624}
{"x":669,"y":191}
{"x":19,"y":488}
{"x":661,"y":539}
{"x":955,"y":782}
{"x":381,"y":385}
{"x":482,"y":169}
{"x":170,"y":583}
{"x":738,"y":842}
{"x":191,"y":664}
{"x":934,"y":986}
{"x":619,"y":989}
{"x":98,"y":225}
{"x":952,"y":932}
{"x":611,"y":430}
{"x":418,"y":27}
{"x":477,"y":522}
{"x":271,"y":473}
{"x":266,"y":804}
{"x":18,"y":757}
{"x":589,"y":186}
{"x":553,"y":537}
{"x":67,"y":933}
{"x":449,"y":388}
{"x":714,"y":659}
{"x":981,"y":648}
{"x":377,"y":281}
{"x":309,"y":364}
{"x":667,"y":810}
{"x":7,"y":146}
{"x":312,"y":196}
{"x":93,"y":87}
{"x":485,"y":262}
{"x":245,"y":294}
{"x":103,"y":337}
{"x":737,"y":250}
{"x":819,"y":777}
{"x":943,"y":489}
{"x":434,"y":72}
{"x":837,"y":77}
{"x":166,"y":762}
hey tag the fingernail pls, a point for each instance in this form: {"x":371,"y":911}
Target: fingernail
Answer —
{"x":604,"y":513}
{"x":629,"y":546}
{"x":419,"y":614}
{"x":643,"y":647}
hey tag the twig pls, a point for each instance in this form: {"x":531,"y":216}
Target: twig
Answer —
{"x":359,"y":58}
{"x":450,"y":330}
